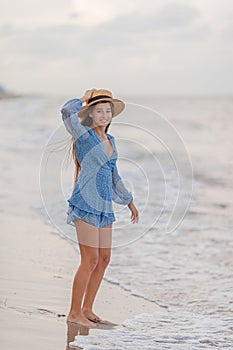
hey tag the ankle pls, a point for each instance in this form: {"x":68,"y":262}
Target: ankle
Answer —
{"x":75,"y":313}
{"x":86,"y":309}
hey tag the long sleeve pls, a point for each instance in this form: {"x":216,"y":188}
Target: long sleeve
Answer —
{"x":120,"y":194}
{"x":70,"y":118}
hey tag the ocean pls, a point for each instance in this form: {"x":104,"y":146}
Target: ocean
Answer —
{"x":175,"y":155}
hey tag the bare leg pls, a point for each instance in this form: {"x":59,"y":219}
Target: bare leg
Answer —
{"x":105,"y":240}
{"x":89,"y":260}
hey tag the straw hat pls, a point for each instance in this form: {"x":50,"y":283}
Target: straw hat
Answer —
{"x":102,"y":95}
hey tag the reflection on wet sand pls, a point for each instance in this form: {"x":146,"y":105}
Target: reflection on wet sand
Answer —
{"x":75,"y":329}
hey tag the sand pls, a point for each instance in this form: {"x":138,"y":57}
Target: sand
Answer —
{"x":37,"y":267}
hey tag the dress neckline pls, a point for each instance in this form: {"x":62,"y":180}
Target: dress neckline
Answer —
{"x":110,"y":139}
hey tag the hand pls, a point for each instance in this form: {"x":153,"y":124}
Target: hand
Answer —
{"x":87,"y":95}
{"x":134,"y":212}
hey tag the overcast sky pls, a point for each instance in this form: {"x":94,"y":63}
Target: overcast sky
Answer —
{"x":128,"y":46}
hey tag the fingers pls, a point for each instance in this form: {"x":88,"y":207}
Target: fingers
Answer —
{"x":89,"y":92}
{"x":134,"y":218}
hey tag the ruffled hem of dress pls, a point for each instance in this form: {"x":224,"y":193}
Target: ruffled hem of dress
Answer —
{"x":97,"y":220}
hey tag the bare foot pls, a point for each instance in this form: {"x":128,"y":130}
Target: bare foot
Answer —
{"x":80,"y":319}
{"x":94,"y":318}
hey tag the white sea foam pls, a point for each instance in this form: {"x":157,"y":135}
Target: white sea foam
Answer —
{"x":172,"y":330}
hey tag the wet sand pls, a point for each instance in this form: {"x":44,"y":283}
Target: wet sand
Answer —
{"x":36,"y":275}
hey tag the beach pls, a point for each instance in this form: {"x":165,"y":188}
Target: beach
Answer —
{"x":36,"y":278}
{"x":165,"y":290}
{"x":37,"y":267}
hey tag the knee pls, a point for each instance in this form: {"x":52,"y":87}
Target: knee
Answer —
{"x":104,"y":261}
{"x":91,"y":263}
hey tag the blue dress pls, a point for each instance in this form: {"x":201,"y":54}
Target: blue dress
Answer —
{"x":98,"y":182}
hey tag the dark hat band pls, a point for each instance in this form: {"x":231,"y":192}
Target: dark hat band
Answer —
{"x":96,"y":98}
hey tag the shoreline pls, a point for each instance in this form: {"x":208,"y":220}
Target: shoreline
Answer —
{"x":191,"y":267}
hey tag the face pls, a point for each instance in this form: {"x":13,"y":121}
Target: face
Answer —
{"x":102,"y":114}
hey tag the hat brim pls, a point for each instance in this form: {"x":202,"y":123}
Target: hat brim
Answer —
{"x":118,"y":106}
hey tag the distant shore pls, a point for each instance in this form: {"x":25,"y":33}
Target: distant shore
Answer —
{"x":5,"y":94}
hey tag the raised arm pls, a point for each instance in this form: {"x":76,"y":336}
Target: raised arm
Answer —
{"x":69,"y":113}
{"x":70,"y":118}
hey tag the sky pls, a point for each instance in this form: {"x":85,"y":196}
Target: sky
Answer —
{"x":133,"y":47}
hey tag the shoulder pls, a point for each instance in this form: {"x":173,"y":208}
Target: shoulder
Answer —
{"x":111,"y":136}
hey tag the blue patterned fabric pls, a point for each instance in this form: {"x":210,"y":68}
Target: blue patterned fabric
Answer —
{"x":98,"y":182}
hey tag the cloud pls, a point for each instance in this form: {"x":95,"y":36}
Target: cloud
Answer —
{"x":6,"y":30}
{"x":30,"y":13}
{"x":127,"y":36}
{"x":169,"y":21}
{"x":93,"y":13}
{"x":177,"y":15}
{"x":166,"y":42}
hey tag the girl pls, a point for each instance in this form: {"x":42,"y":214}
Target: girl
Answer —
{"x":97,"y":183}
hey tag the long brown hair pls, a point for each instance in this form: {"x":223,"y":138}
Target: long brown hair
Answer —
{"x":86,"y":122}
